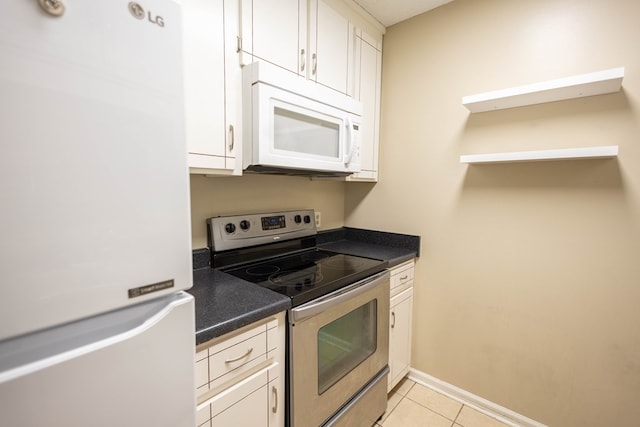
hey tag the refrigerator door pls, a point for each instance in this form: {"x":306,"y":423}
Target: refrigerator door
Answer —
{"x":93,"y":173}
{"x":131,"y":367}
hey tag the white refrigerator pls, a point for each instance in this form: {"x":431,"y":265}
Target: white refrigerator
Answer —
{"x":95,"y":251}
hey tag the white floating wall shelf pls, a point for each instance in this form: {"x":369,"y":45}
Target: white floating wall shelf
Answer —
{"x":528,"y":156}
{"x":598,"y":83}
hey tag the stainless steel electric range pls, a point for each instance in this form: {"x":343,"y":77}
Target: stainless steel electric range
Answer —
{"x":338,"y":326}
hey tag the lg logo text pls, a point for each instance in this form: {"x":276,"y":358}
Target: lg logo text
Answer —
{"x":138,"y":12}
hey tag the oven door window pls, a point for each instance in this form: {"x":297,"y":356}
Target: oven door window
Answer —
{"x":344,"y":343}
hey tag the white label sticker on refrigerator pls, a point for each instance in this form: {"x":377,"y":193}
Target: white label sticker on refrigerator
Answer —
{"x":147,"y":289}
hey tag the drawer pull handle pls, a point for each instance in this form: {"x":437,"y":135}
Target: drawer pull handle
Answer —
{"x":274,"y":408}
{"x":405,"y":277}
{"x":235,"y":359}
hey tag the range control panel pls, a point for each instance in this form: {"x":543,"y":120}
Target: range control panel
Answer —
{"x":241,"y":231}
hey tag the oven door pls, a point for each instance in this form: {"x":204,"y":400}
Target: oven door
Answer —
{"x":338,"y":343}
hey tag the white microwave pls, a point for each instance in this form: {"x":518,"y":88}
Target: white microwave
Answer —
{"x":294,"y":126}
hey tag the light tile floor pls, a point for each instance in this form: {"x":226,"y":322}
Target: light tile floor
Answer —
{"x":413,"y":405}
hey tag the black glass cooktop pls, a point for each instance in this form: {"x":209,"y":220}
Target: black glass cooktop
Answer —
{"x":308,"y":275}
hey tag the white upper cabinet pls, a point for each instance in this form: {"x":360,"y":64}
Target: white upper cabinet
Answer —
{"x":306,"y":37}
{"x":331,"y":47}
{"x":204,"y":91}
{"x":233,"y":88}
{"x":274,"y":31}
{"x":212,"y":86}
{"x":368,"y":79}
{"x":314,"y":39}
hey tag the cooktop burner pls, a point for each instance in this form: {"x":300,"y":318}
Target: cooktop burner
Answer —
{"x":310,"y":274}
{"x":297,"y":279}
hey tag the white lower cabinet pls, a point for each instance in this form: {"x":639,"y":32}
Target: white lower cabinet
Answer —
{"x":400,"y":318}
{"x":240,"y":377}
{"x":276,"y":401}
{"x":240,"y":405}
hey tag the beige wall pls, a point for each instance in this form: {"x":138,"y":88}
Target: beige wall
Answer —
{"x":528,"y":287}
{"x":262,"y":193}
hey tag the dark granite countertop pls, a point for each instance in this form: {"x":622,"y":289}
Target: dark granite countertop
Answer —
{"x":391,"y":247}
{"x":225,"y":303}
{"x":393,"y":256}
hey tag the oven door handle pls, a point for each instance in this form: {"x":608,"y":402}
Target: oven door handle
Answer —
{"x":335,"y":298}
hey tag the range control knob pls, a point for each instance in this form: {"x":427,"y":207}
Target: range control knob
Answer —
{"x":245,"y":225}
{"x":230,"y":228}
{"x":307,"y":219}
{"x":297,"y":219}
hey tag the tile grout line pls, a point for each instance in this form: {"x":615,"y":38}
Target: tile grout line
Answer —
{"x":402,"y":397}
{"x":379,"y":423}
{"x":457,"y":415}
{"x":393,"y":409}
{"x":410,"y":388}
{"x":453,"y":421}
{"x":433,"y":410}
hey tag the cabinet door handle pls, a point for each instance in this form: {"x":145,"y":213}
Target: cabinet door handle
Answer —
{"x":232,"y":138}
{"x":235,"y":359}
{"x":302,"y":60}
{"x":393,"y":316}
{"x":274,"y":408}
{"x":314,"y":57}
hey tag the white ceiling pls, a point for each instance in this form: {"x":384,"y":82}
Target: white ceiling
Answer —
{"x":390,"y":12}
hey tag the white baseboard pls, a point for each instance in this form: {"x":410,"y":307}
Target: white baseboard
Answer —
{"x":485,"y":406}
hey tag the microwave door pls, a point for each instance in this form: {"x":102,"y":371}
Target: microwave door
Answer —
{"x":294,"y":132}
{"x":306,"y":134}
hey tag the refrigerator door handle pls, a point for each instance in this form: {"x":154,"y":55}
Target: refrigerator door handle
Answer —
{"x":30,"y":353}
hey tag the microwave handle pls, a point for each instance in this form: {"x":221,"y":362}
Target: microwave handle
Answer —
{"x":351,"y":144}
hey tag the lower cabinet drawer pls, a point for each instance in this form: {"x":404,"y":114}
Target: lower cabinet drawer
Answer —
{"x":203,"y":416}
{"x":402,"y":277}
{"x":229,"y":358}
{"x":202,"y":372}
{"x":237,"y":359}
{"x":240,"y":377}
{"x":236,"y":406}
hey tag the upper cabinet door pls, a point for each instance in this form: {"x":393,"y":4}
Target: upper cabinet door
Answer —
{"x":272,"y":31}
{"x":367,"y":89}
{"x":370,"y":97}
{"x":213,"y":89}
{"x":233,"y":88}
{"x":331,"y":46}
{"x":306,"y":37}
{"x":204,"y":79}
